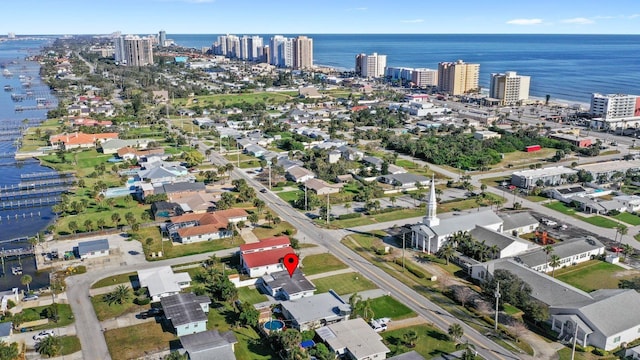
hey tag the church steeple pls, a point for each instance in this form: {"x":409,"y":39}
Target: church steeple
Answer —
{"x":432,"y":219}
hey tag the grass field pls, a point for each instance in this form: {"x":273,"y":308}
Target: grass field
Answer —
{"x":592,"y":275}
{"x":431,"y":341}
{"x":252,"y":296}
{"x":536,"y":198}
{"x":290,"y":196}
{"x":343,"y":284}
{"x":418,"y":169}
{"x":229,"y":100}
{"x":136,"y":341}
{"x":266,"y":231}
{"x":105,"y":311}
{"x":628,"y":218}
{"x":65,"y":316}
{"x":114,"y":280}
{"x":320,"y":263}
{"x":386,"y":306}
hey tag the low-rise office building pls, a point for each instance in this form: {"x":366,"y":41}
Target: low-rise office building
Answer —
{"x":550,"y":176}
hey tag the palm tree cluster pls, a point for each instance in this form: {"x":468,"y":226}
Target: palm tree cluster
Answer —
{"x":119,"y":295}
{"x":463,"y":242}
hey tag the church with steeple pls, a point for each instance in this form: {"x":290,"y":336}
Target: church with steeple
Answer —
{"x":433,"y":232}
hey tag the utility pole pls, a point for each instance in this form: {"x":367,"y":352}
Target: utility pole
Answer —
{"x":238,"y":150}
{"x":497,"y":295}
{"x":328,"y":211}
{"x":269,"y":175}
{"x":305,"y":197}
{"x":575,"y":339}
{"x":403,"y":234}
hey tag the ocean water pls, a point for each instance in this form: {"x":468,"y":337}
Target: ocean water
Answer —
{"x":567,"y":67}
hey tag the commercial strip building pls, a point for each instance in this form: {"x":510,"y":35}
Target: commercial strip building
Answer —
{"x":605,"y":170}
{"x":550,"y":176}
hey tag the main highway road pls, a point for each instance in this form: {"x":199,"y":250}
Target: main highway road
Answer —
{"x":330,"y":239}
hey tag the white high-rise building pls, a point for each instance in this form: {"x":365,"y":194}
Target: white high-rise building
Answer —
{"x":614,"y":106}
{"x":424,"y":77}
{"x":509,"y":88}
{"x":371,"y":66}
{"x":133,"y":50}
{"x":276,"y":49}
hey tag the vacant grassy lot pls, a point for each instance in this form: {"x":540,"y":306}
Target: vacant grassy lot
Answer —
{"x":628,"y":218}
{"x":229,"y":100}
{"x":136,"y":341}
{"x":266,"y":231}
{"x":252,"y":296}
{"x":343,"y":283}
{"x":592,"y":275}
{"x":105,"y":311}
{"x":431,"y":341}
{"x":419,"y":169}
{"x":290,"y":196}
{"x":117,"y":279}
{"x":320,"y":263}
{"x":386,"y":306}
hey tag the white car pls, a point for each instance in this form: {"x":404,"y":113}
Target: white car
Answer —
{"x":42,"y":334}
{"x":379,"y":325}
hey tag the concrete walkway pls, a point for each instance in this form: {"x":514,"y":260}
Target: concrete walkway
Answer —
{"x":329,"y":273}
{"x":124,"y":321}
{"x":248,"y":236}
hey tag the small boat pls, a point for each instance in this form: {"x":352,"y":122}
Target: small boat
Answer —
{"x":16,"y":270}
{"x":7,"y":73}
{"x":8,"y":88}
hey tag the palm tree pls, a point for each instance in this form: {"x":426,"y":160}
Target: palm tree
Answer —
{"x":627,"y":250}
{"x":469,"y":350}
{"x":554,"y":263}
{"x":50,"y":346}
{"x":73,"y":226}
{"x":253,"y":218}
{"x":410,"y":338}
{"x":101,"y":223}
{"x":119,"y":295}
{"x":88,"y":225}
{"x":354,"y":299}
{"x":115,"y":217}
{"x":228,"y":168}
{"x":622,"y":230}
{"x":447,"y":252}
{"x":455,"y":332}
{"x":548,"y":249}
{"x":26,"y":280}
{"x":392,"y":199}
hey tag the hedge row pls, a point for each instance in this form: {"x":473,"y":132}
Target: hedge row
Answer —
{"x":412,"y":269}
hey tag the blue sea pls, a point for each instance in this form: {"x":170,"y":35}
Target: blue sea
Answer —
{"x":567,"y":67}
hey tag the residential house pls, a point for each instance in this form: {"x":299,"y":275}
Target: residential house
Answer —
{"x":6,"y":330}
{"x":321,"y":187}
{"x":405,"y":181}
{"x":334,"y":156}
{"x":343,"y":179}
{"x":198,"y":203}
{"x":190,"y":228}
{"x":178,"y":190}
{"x":265,"y":256}
{"x":112,"y":146}
{"x":255,"y":150}
{"x":312,"y":312}
{"x":570,"y":252}
{"x":566,"y":194}
{"x":162,"y":281}
{"x":373,"y":162}
{"x":79,"y":140}
{"x":8,"y":295}
{"x":395,"y":169}
{"x":309,"y":92}
{"x":519,"y":223}
{"x":353,"y":339}
{"x":413,"y":355}
{"x":186,"y":312}
{"x":351,"y":153}
{"x":93,"y":249}
{"x":591,"y":205}
{"x":209,"y":345}
{"x":630,"y":202}
{"x":91,"y":122}
{"x":282,"y":286}
{"x":299,"y":174}
{"x":129,"y":153}
{"x":633,"y":353}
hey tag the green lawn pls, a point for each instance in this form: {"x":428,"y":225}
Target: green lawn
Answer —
{"x":252,"y":296}
{"x":117,"y":279}
{"x":136,"y":341}
{"x":320,"y":263}
{"x":69,"y":344}
{"x":431,"y":341}
{"x":290,"y":196}
{"x":229,"y":100}
{"x":592,"y":275}
{"x":596,"y":220}
{"x":65,"y":316}
{"x":105,"y":311}
{"x":628,"y":218}
{"x":419,"y":169}
{"x":266,"y":231}
{"x":536,"y":198}
{"x":343,"y":283}
{"x":386,"y":306}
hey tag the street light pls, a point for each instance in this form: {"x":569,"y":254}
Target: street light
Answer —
{"x":497,"y":295}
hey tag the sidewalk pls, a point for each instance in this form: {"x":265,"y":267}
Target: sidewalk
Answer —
{"x":330,"y":273}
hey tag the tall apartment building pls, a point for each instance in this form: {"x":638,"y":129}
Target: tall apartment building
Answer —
{"x":303,"y":53}
{"x":162,"y":38}
{"x":133,"y":50}
{"x":615,"y":106}
{"x":371,"y":66}
{"x":457,"y":78}
{"x":424,"y":77}
{"x":510,"y":88}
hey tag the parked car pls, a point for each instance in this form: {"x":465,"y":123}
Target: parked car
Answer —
{"x":42,"y":334}
{"x":548,"y":222}
{"x":153,"y":312}
{"x":379,"y":325}
{"x":30,"y":298}
{"x":616,"y":249}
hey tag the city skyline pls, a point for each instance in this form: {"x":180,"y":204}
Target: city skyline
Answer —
{"x":331,"y":16}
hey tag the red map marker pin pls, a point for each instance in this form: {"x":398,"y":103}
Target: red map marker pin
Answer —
{"x":291,"y":263}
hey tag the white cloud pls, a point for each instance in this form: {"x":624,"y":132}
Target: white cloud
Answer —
{"x":412,"y":21}
{"x":524,"y":22}
{"x":633,"y":16}
{"x":361,"y":8}
{"x":578,"y":21}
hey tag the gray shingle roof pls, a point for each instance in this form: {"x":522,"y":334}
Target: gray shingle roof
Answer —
{"x":291,"y":285}
{"x":514,"y":221}
{"x":87,"y":247}
{"x":184,"y":309}
{"x":564,"y":249}
{"x":183,"y":187}
{"x":313,"y":308}
{"x":614,"y":311}
{"x":411,"y":355}
{"x":5,"y":329}
{"x":466,"y":222}
{"x":209,"y":345}
{"x":492,"y":238}
{"x":407,"y":178}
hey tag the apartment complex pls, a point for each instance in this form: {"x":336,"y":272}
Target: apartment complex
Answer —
{"x":296,"y":53}
{"x":510,"y":88}
{"x":615,"y":111}
{"x":420,"y":77}
{"x":133,"y":50}
{"x":458,"y":78}
{"x":371,"y":66}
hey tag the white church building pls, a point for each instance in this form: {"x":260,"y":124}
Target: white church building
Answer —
{"x":433,"y":232}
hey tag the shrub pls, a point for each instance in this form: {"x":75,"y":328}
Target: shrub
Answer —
{"x":410,"y":268}
{"x":141,"y":300}
{"x":600,"y":352}
{"x":349,"y":216}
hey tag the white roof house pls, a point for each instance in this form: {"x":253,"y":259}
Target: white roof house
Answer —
{"x":162,"y":281}
{"x":353,"y":338}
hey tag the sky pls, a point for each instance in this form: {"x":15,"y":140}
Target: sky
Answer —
{"x":25,"y":17}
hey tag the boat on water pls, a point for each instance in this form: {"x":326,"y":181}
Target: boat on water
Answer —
{"x":7,"y":73}
{"x":16,"y":270}
{"x":8,"y":88}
